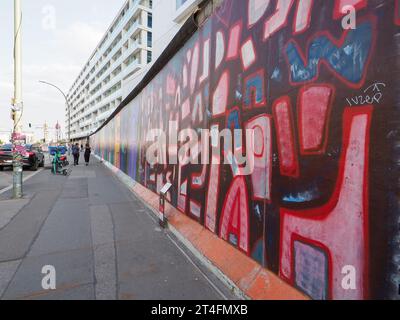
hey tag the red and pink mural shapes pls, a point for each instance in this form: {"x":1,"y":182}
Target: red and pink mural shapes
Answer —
{"x":304,"y":212}
{"x":315,"y":106}
{"x":330,"y":229}
{"x":289,"y":163}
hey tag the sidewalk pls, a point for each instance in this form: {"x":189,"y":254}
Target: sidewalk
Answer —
{"x":103,"y":242}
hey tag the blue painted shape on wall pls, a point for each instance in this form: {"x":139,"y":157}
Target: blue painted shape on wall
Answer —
{"x":311,"y":270}
{"x":254,"y":84}
{"x":349,"y":60}
{"x":233,"y":119}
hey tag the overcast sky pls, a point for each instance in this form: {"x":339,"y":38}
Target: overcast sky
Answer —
{"x":58,"y":38}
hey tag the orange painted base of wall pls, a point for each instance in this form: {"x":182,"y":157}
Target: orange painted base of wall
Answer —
{"x":253,"y":281}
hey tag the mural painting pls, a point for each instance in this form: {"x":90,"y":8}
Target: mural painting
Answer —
{"x":323,"y":103}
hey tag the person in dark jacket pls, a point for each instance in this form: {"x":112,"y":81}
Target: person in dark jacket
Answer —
{"x":88,"y":152}
{"x":76,"y":154}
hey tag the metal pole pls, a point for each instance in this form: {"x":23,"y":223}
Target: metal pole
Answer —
{"x":17,"y":102}
{"x":68,"y":106}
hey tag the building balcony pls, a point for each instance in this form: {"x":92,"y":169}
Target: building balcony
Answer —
{"x":132,"y":68}
{"x":118,"y":28}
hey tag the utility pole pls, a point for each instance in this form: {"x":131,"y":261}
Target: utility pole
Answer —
{"x":17,"y":104}
{"x":58,"y":128}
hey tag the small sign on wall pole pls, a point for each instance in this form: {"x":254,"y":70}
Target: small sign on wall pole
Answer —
{"x":163,"y":194}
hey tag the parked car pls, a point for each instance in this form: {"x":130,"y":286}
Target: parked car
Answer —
{"x":32,"y":157}
{"x":6,"y":158}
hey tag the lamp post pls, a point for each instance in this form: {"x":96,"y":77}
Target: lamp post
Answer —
{"x":66,"y":102}
{"x":58,"y":128}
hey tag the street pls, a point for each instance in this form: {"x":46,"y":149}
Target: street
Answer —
{"x":102,"y":242}
{"x":6,"y":177}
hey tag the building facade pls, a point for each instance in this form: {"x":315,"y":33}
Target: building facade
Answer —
{"x":177,"y":11}
{"x":123,"y":51}
{"x":169,"y":17}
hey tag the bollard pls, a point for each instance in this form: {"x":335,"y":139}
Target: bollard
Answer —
{"x":162,"y":211}
{"x":163,"y":193}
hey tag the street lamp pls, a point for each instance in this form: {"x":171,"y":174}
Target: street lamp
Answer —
{"x":68,"y":106}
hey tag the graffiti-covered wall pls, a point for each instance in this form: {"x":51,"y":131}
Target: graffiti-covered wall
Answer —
{"x":321,"y":207}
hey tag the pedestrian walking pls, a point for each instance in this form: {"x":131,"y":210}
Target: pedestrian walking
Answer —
{"x":76,"y":154}
{"x":88,"y":152}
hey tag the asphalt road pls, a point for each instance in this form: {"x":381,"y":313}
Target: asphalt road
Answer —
{"x":101,"y":240}
{"x":6,"y":177}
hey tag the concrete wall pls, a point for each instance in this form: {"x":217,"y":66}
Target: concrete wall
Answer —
{"x":321,"y":208}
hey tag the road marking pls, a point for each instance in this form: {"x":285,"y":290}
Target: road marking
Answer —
{"x":104,"y":253}
{"x":23,"y":180}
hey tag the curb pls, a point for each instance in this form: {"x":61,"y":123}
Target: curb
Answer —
{"x":245,"y":277}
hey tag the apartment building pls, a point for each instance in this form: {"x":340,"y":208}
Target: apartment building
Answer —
{"x":169,"y":16}
{"x":124,"y":50}
{"x":177,"y":11}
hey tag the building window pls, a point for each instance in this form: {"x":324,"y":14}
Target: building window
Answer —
{"x":150,"y":20}
{"x":148,"y":56}
{"x":149,"y":39}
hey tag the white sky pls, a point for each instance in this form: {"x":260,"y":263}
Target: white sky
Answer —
{"x":55,"y":48}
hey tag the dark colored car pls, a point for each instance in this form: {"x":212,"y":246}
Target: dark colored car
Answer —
{"x":33,"y":157}
{"x":6,"y":157}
